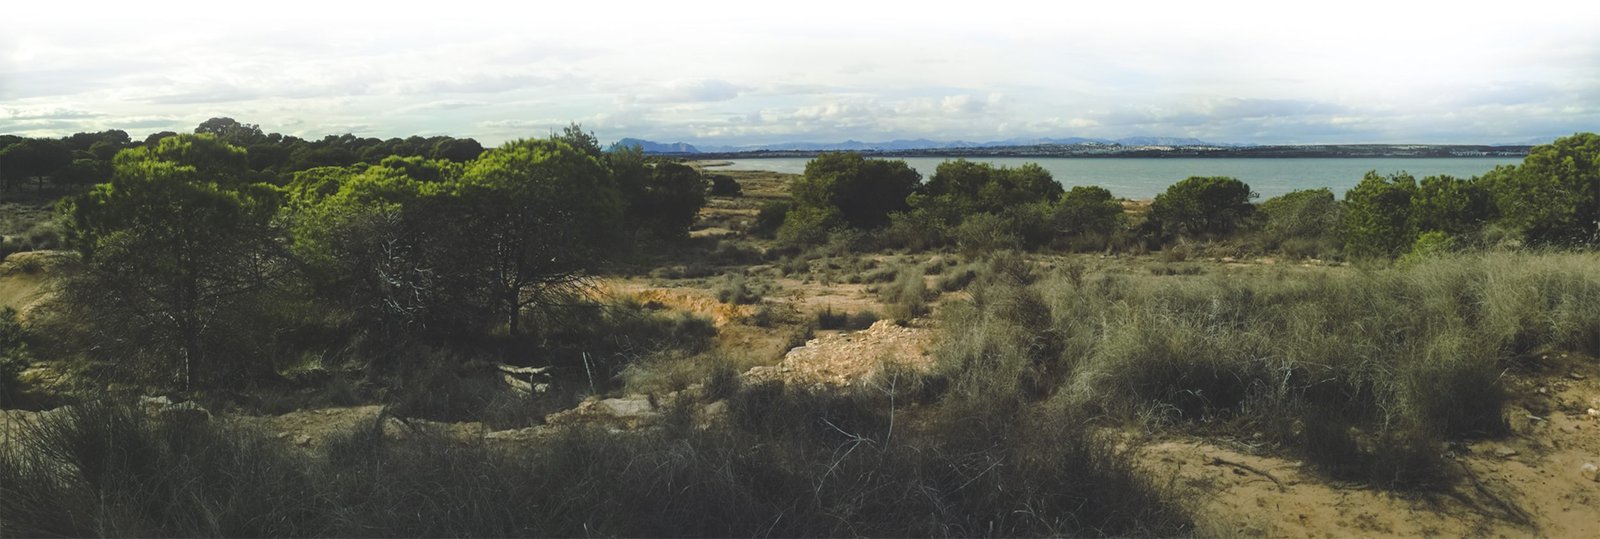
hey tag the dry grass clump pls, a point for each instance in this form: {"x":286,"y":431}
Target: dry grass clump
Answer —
{"x":1364,"y":372}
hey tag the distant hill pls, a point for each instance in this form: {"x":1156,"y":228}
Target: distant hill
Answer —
{"x":659,"y":147}
{"x":914,"y":144}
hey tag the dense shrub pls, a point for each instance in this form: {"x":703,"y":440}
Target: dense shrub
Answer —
{"x":1553,"y":197}
{"x":724,"y":186}
{"x":1203,"y":206}
{"x":13,"y":356}
{"x":1377,"y":217}
{"x":861,"y":192}
{"x":1300,"y":222}
{"x":770,"y":217}
{"x":807,"y":226}
{"x":1087,"y":217}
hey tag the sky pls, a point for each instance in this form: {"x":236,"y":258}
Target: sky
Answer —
{"x":739,"y":73}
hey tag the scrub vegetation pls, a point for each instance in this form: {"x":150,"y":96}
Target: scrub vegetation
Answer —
{"x":169,"y":301}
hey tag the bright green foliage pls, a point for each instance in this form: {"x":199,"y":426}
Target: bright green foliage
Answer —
{"x":863,"y":192}
{"x":982,"y":187}
{"x":1451,"y":205}
{"x":1203,"y":206}
{"x":1377,"y":217}
{"x":1430,"y":244}
{"x":1554,"y":196}
{"x":176,"y":245}
{"x":381,"y":246}
{"x":427,"y":170}
{"x":541,"y":214}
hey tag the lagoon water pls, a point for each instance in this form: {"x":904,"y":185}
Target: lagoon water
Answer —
{"x":1147,"y":177}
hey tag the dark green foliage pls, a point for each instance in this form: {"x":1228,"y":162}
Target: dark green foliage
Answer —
{"x":179,"y":251}
{"x":1451,"y":205}
{"x":770,"y":218}
{"x":861,"y":192}
{"x":13,"y":357}
{"x":977,"y":187}
{"x":1306,"y":213}
{"x":1377,"y":217}
{"x":724,"y":186}
{"x":828,"y":319}
{"x":1203,"y":206}
{"x":1087,"y":216}
{"x":807,"y":226}
{"x":101,"y":469}
{"x":670,"y":200}
{"x":35,"y":159}
{"x":1554,"y":196}
{"x":661,"y":199}
{"x":539,"y":216}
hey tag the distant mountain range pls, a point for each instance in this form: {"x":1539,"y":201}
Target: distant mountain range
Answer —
{"x":916,"y":144}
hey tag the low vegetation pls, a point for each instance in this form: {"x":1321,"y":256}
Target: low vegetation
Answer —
{"x":449,"y":284}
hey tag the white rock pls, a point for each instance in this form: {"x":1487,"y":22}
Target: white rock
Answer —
{"x":1590,"y":471}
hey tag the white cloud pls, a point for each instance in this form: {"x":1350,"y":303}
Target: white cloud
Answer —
{"x":1241,"y":71}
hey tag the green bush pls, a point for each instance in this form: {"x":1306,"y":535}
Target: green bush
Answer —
{"x":807,"y":227}
{"x":860,"y":192}
{"x":14,"y":356}
{"x":770,"y":218}
{"x":1377,"y":217}
{"x":1205,"y":207}
{"x":1087,"y":217}
{"x":724,"y":186}
{"x":1302,"y":223}
{"x":987,"y":233}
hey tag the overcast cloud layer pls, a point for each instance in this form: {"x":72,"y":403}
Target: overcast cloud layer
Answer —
{"x":737,"y":73}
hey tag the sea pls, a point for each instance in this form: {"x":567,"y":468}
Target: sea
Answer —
{"x":1142,"y":178}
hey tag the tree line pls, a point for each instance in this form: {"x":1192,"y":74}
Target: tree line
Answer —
{"x":198,"y":267}
{"x":1551,"y":199}
{"x":82,"y":159}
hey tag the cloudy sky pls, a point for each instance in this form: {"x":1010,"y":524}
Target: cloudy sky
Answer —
{"x":738,"y":73}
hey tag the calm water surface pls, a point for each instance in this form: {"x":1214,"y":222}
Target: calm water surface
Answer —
{"x":1146,"y":177}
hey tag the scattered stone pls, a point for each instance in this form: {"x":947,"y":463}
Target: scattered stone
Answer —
{"x":302,"y":440}
{"x":1574,"y":376}
{"x":1590,"y":471}
{"x":1505,"y":452}
{"x":1593,"y":413}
